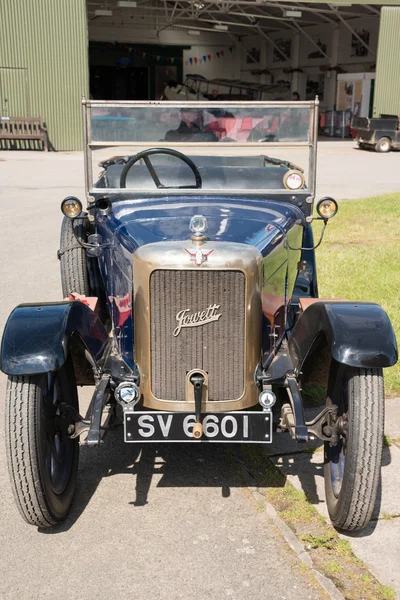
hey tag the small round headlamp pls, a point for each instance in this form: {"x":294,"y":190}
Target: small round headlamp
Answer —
{"x":198,"y":224}
{"x":327,"y":208}
{"x":71,"y":207}
{"x":293,"y":180}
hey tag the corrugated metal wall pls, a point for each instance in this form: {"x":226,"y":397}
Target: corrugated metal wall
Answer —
{"x":44,"y":64}
{"x":387,"y":83}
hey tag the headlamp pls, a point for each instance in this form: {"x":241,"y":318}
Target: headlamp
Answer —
{"x":293,"y":180}
{"x":327,"y":208}
{"x":71,"y":207}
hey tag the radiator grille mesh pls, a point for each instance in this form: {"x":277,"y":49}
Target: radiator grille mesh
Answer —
{"x":216,"y":347}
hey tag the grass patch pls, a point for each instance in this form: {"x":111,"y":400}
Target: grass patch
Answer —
{"x":314,"y":395}
{"x":387,"y":592}
{"x":332,"y":567}
{"x":359,"y":260}
{"x":389,"y":441}
{"x":323,"y":541}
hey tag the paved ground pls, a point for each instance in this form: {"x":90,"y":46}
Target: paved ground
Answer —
{"x":378,"y":545}
{"x":180,"y":512}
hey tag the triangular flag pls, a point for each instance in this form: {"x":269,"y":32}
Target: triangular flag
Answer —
{"x":191,"y":60}
{"x":209,"y":56}
{"x":230,"y":49}
{"x":144,"y":54}
{"x":195,"y":60}
{"x":158,"y":57}
{"x":217,"y":54}
{"x":204,"y":58}
{"x":222,"y":52}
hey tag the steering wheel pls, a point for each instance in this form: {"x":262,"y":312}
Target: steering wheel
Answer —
{"x":169,"y":151}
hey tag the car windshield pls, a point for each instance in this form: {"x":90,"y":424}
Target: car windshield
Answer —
{"x":233,"y":145}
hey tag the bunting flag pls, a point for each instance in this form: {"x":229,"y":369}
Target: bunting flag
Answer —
{"x":207,"y":57}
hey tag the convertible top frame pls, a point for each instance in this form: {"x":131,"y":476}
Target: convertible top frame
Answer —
{"x":311,"y":144}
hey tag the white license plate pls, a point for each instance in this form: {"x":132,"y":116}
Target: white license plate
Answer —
{"x":233,"y":427}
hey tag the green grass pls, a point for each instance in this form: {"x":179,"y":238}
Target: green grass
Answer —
{"x":359,"y":259}
{"x":327,"y":540}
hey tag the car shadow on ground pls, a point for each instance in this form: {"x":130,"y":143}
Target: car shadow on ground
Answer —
{"x":180,"y":465}
{"x":198,"y":465}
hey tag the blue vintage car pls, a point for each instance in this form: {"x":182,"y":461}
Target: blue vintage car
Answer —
{"x":190,"y":304}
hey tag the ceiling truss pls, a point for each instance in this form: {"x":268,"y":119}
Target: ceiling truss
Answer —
{"x":236,"y":18}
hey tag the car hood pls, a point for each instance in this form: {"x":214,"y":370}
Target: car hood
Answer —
{"x":253,"y":222}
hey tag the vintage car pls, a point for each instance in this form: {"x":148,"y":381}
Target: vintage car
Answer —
{"x":381,"y":135}
{"x":190,"y":304}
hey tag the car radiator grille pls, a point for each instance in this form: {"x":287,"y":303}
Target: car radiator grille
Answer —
{"x":216,"y":347}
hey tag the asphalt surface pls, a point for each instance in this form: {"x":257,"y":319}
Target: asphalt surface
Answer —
{"x":154,"y":522}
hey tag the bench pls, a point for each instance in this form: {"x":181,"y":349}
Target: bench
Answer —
{"x":24,"y":128}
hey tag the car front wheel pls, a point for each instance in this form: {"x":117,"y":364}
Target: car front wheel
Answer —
{"x":42,"y":459}
{"x":352,"y":467}
{"x":73,"y":265}
{"x":383,"y":145}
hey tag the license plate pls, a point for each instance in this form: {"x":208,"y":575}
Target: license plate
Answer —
{"x":234,"y":427}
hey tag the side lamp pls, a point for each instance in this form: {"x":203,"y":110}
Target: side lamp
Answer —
{"x":71,"y":207}
{"x":327,"y":208}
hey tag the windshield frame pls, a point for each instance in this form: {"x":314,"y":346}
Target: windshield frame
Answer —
{"x":89,"y":144}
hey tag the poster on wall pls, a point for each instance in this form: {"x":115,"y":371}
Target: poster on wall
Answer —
{"x":317,"y":53}
{"x":357,"y":48}
{"x":253,"y":56}
{"x":285,"y":46}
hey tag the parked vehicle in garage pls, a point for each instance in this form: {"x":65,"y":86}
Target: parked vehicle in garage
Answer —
{"x":191,"y":305}
{"x":381,"y":134}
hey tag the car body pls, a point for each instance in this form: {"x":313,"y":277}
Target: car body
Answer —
{"x":381,"y":134}
{"x":191,"y":303}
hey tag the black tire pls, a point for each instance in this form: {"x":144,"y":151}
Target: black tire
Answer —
{"x":383,"y":145}
{"x":352,"y":468}
{"x":73,"y":264}
{"x":42,"y":460}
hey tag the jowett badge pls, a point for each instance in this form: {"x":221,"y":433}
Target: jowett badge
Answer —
{"x":187,"y":319}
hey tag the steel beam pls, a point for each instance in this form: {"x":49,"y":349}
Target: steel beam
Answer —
{"x":345,"y":23}
{"x":314,"y":43}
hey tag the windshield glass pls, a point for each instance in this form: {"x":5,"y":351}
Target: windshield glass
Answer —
{"x":262,"y":139}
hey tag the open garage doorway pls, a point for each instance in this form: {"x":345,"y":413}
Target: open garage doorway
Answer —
{"x":119,"y":83}
{"x":120,"y":71}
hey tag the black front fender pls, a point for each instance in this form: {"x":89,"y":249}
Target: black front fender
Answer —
{"x":358,"y":334}
{"x":36,"y":337}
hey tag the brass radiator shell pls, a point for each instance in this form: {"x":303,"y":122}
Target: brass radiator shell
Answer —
{"x":237,"y":263}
